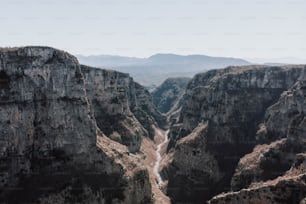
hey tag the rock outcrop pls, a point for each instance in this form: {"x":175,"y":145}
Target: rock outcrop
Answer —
{"x":123,"y":109}
{"x":168,"y":95}
{"x":275,"y":172}
{"x":287,"y":188}
{"x":218,"y":124}
{"x":283,"y":190}
{"x":144,"y":110}
{"x":51,"y":149}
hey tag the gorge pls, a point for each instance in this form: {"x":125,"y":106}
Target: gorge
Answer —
{"x":71,"y":133}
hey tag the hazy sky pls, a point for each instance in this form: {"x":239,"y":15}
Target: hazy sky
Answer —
{"x":238,"y":28}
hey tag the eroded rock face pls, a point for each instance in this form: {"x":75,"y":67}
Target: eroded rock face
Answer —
{"x":169,"y":93}
{"x":123,"y":109}
{"x":286,"y":117}
{"x":141,"y":104}
{"x":232,"y":102}
{"x":288,"y":188}
{"x":266,"y":162}
{"x":280,"y":165}
{"x":109,"y":93}
{"x":48,"y":141}
{"x":191,"y":179}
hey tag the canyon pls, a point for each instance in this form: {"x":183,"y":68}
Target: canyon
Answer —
{"x":71,"y":133}
{"x":226,"y":115}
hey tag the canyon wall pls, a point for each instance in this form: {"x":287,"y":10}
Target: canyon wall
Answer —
{"x":123,"y":109}
{"x":72,"y":134}
{"x":51,"y":149}
{"x":275,"y":172}
{"x":218,"y":124}
{"x":167,"y":96}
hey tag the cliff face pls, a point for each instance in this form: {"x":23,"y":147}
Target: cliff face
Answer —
{"x":67,"y":132}
{"x":49,"y":149}
{"x":285,"y":118}
{"x":283,"y":190}
{"x":226,"y":106}
{"x":123,"y":109}
{"x":289,"y":187}
{"x":144,"y":110}
{"x":280,"y":165}
{"x":169,"y":93}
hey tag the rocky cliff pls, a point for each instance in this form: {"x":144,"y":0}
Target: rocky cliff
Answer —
{"x":263,"y":185}
{"x":144,"y":110}
{"x":72,"y":134}
{"x":51,"y":149}
{"x":275,"y":172}
{"x":123,"y":109}
{"x":218,"y":124}
{"x":169,"y":93}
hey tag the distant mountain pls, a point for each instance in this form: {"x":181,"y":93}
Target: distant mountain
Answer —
{"x":154,"y":70}
{"x":110,"y":60}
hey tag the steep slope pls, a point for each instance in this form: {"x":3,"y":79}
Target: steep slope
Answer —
{"x":279,"y":166}
{"x":51,"y":150}
{"x":218,"y":123}
{"x":144,"y":110}
{"x":284,"y":119}
{"x":123,"y":109}
{"x":289,"y":187}
{"x":167,"y":96}
{"x":283,"y":190}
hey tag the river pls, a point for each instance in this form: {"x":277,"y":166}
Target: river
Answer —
{"x":158,"y":159}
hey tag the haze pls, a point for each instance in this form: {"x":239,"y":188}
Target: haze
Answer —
{"x":266,"y":29}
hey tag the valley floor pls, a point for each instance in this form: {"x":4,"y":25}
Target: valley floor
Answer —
{"x":151,"y":150}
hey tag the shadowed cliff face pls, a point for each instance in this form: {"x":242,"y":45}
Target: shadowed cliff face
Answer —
{"x":144,"y":110}
{"x":48,"y":141}
{"x":123,"y":109}
{"x":109,"y":93}
{"x":169,"y":93}
{"x":280,"y":165}
{"x":218,"y":123}
{"x":284,"y":119}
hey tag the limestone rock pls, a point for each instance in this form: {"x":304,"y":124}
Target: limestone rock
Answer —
{"x":284,"y":119}
{"x":232,"y":102}
{"x":109,"y":93}
{"x":283,"y":190}
{"x":123,"y":109}
{"x":192,"y":165}
{"x":144,"y":110}
{"x":169,"y":93}
{"x":288,"y":188}
{"x":48,"y":136}
{"x":264,"y":163}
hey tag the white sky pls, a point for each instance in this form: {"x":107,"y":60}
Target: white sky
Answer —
{"x":239,"y":28}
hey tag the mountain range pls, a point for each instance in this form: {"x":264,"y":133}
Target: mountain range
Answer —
{"x":152,"y":71}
